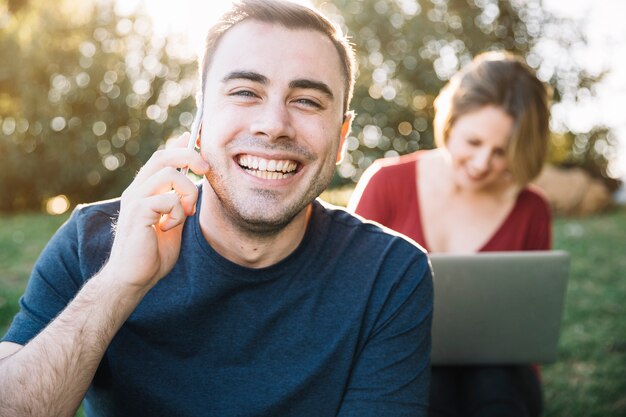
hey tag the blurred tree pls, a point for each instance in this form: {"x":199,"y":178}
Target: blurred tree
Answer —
{"x":86,"y":97}
{"x":13,"y":6}
{"x":408,"y":49}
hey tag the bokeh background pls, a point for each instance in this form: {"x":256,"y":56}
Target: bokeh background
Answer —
{"x":89,"y":89}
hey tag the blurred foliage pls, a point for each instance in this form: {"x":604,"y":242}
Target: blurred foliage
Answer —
{"x":592,"y":151}
{"x":408,"y":49}
{"x":86,"y":97}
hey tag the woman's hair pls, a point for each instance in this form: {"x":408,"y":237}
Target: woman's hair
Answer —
{"x":288,"y":15}
{"x":502,"y":80}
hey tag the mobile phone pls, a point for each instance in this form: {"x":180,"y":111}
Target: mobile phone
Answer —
{"x":195,"y":130}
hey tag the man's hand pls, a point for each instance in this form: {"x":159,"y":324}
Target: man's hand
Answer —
{"x":153,"y":210}
{"x":50,"y":374}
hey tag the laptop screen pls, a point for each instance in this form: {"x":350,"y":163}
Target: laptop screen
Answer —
{"x":498,"y":307}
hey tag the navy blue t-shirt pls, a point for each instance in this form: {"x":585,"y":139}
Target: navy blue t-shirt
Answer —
{"x":341,"y":327}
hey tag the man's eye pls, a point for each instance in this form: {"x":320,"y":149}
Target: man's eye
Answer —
{"x":243,"y":93}
{"x":308,"y":102}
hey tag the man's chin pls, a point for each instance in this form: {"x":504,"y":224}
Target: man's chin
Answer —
{"x":265,"y":212}
{"x":267,"y":225}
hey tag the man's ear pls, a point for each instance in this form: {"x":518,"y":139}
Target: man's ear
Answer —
{"x":345,"y":131}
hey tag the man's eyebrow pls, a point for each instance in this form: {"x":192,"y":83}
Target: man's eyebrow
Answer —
{"x":246,"y":75}
{"x":312,"y":84}
{"x":304,"y":83}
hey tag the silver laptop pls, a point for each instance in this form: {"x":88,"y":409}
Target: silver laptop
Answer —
{"x":498,"y":307}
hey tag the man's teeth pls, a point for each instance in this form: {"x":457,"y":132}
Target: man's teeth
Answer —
{"x":267,"y":168}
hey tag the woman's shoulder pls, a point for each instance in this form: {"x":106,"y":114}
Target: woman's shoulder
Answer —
{"x":396,"y":164}
{"x":532,"y":195}
{"x":384,"y":182}
{"x":533,"y":204}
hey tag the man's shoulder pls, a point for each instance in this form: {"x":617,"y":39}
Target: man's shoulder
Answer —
{"x":95,"y":218}
{"x":367,"y":233}
{"x":107,"y":207}
{"x":371,"y":256}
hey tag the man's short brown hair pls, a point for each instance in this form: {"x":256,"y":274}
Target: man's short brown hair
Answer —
{"x":291,"y":16}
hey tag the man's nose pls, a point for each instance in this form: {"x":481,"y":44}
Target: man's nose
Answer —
{"x":273,"y":121}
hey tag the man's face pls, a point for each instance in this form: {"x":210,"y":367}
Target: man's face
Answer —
{"x":273,"y":122}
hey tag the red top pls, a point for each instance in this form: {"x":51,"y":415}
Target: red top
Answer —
{"x":387,"y":194}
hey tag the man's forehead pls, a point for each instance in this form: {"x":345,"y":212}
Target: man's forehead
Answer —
{"x":277,"y":52}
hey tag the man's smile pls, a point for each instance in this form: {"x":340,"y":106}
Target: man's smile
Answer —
{"x":271,"y":169}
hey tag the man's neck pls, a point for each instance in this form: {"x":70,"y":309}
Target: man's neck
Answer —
{"x":248,"y":249}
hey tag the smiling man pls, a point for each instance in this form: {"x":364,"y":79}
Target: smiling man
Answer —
{"x":242,"y":295}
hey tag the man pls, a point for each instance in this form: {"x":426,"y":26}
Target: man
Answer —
{"x":245,"y":296}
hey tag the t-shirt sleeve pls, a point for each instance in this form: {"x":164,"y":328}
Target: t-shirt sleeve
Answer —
{"x":391,"y":376}
{"x":54,"y":281}
{"x":370,"y":198}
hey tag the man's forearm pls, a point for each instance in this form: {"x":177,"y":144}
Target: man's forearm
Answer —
{"x":50,"y":375}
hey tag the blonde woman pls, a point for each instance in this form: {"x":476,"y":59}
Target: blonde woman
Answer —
{"x":471,"y":194}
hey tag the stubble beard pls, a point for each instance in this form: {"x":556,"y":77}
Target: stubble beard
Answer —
{"x":247,"y":216}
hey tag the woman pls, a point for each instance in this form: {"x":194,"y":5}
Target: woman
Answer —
{"x":471,"y":194}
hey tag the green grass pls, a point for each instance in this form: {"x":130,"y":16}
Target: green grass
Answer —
{"x":22,"y":237}
{"x":588,"y":380}
{"x":590,"y":377}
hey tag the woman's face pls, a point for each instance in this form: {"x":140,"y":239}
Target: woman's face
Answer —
{"x":477,"y":145}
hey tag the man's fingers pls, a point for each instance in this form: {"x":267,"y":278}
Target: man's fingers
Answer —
{"x":163,"y":210}
{"x":175,"y":158}
{"x":173,"y":218}
{"x":178,"y":142}
{"x":164,"y":181}
{"x":162,"y":194}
